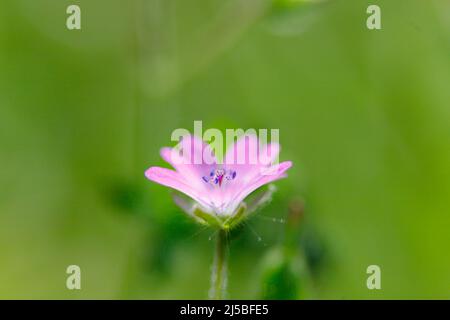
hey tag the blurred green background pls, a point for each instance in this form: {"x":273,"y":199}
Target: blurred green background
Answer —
{"x":364,"y":115}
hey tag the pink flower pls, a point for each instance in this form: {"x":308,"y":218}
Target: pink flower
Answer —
{"x":219,"y":190}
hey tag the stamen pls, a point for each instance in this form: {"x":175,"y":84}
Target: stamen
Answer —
{"x":216,"y":177}
{"x":231,"y":175}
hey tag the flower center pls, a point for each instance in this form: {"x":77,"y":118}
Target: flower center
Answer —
{"x":217,"y":176}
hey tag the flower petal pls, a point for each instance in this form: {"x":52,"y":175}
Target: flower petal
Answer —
{"x":277,"y":172}
{"x":248,"y":158}
{"x":243,"y":152}
{"x":269,"y":153}
{"x":174,"y":180}
{"x":193,"y":161}
{"x":196,"y":151}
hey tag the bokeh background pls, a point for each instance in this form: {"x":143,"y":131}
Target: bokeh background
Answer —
{"x":364,"y":115}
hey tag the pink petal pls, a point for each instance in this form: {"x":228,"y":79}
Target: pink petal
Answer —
{"x":243,"y":152}
{"x":269,"y":153}
{"x":190,"y":172}
{"x":174,"y":180}
{"x":195,"y":161}
{"x":196,"y":151}
{"x":257,"y":182}
{"x":246,"y":148}
{"x":255,"y":157}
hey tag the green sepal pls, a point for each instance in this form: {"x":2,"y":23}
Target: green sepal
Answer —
{"x":236,"y":219}
{"x":207,"y":218}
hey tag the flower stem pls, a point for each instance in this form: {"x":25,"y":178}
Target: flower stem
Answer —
{"x":219,"y":269}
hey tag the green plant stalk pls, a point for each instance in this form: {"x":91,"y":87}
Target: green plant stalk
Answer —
{"x":219,"y":269}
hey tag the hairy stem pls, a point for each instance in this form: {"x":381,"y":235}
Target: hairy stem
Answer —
{"x":219,"y":269}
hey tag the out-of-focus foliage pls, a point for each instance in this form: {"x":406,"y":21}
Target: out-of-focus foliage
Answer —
{"x":364,"y":115}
